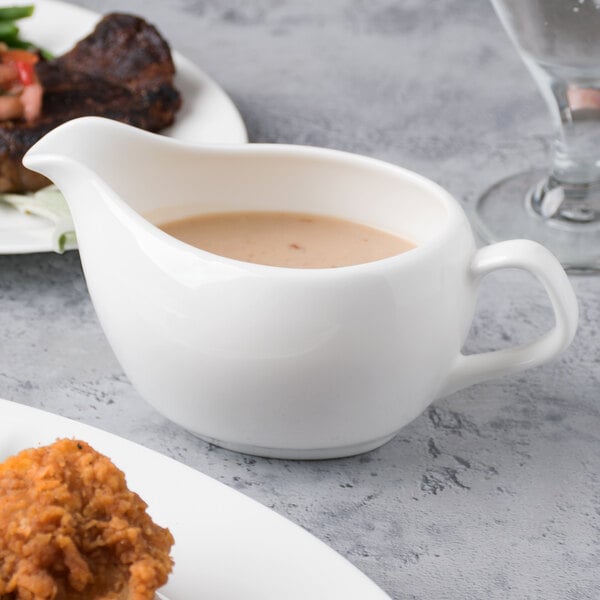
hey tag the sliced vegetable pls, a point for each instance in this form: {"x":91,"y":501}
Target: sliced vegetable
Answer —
{"x":45,"y":54}
{"x":31,"y":100}
{"x":25,"y":71}
{"x":16,"y":42}
{"x":8,"y":30}
{"x":18,"y":55}
{"x":21,"y":92}
{"x":11,"y":13}
{"x":50,"y":204}
{"x":11,"y":107}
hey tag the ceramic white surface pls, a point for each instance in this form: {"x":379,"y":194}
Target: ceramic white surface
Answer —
{"x":300,"y":363}
{"x":207,"y":114}
{"x":227,"y":546}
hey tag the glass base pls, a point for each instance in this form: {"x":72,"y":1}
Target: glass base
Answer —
{"x":509,"y":210}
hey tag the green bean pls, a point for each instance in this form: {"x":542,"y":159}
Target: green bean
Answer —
{"x":8,"y":30}
{"x":17,"y":42}
{"x":10,"y":13}
{"x":45,"y":54}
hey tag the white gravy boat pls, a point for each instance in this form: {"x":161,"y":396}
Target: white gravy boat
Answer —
{"x":294,"y":363}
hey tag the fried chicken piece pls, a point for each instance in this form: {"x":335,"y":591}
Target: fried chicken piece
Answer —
{"x":71,"y":529}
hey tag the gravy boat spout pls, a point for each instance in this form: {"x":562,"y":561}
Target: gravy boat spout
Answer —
{"x":98,"y":162}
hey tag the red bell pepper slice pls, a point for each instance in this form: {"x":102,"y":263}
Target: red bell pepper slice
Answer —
{"x":25,"y":71}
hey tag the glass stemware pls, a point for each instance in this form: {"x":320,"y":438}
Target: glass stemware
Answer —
{"x":559,"y":41}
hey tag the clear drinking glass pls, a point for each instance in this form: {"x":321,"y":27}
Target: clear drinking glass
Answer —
{"x":559,"y":41}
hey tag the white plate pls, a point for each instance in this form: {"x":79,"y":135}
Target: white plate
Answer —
{"x":227,"y":546}
{"x":207,"y":114}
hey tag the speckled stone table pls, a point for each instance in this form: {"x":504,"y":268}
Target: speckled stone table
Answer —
{"x":492,"y":493}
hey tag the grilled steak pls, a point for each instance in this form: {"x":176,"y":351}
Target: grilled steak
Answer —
{"x":123,"y":70}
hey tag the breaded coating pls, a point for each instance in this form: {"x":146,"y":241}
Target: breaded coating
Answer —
{"x":70,"y":529}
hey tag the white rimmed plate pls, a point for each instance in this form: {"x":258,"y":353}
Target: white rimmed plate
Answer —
{"x":207,"y":114}
{"x":227,"y":546}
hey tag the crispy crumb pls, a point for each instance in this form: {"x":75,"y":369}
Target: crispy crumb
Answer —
{"x":71,"y":529}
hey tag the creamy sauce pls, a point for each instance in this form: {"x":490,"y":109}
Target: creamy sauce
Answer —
{"x":287,"y":239}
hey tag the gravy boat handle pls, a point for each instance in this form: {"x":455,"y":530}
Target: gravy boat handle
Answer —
{"x":540,"y":262}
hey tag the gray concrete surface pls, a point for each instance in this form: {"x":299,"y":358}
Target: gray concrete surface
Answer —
{"x":492,"y":493}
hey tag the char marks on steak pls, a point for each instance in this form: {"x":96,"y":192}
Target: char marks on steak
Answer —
{"x":123,"y":70}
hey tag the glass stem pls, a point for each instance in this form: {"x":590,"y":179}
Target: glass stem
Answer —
{"x":572,"y":192}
